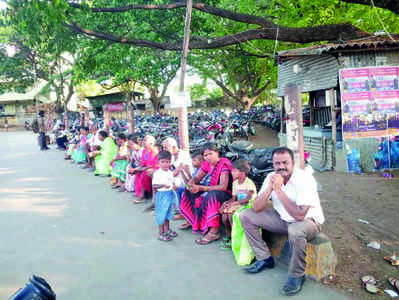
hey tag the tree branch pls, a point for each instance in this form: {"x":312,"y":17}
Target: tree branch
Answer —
{"x":262,"y":89}
{"x":220,"y":12}
{"x":267,"y":31}
{"x":225,"y":89}
{"x":287,"y":34}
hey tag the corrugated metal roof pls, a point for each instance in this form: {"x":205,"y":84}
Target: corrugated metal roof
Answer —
{"x":30,"y":95}
{"x":369,"y":43}
{"x":312,"y":73}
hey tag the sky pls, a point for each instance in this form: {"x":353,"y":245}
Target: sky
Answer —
{"x":2,"y":4}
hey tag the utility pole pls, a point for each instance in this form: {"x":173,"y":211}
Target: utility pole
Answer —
{"x":183,"y":122}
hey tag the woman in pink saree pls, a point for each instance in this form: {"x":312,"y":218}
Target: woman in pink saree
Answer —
{"x":149,"y":163}
{"x":200,"y":203}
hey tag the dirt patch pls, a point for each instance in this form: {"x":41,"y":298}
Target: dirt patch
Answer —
{"x":345,"y":200}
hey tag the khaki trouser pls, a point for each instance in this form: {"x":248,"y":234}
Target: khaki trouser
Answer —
{"x":299,"y":233}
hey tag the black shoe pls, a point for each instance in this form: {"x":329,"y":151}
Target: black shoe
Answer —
{"x":293,"y":285}
{"x":259,"y":265}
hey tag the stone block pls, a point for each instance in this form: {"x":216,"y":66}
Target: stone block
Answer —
{"x":320,"y":257}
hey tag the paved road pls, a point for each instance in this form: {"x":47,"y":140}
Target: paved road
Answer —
{"x":90,"y":242}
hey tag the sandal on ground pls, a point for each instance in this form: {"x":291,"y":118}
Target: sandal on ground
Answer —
{"x":226,"y":245}
{"x":178,"y":217}
{"x":122,"y":189}
{"x":115,"y":186}
{"x":171,"y":233}
{"x":164,"y":237}
{"x":184,"y":226}
{"x":371,"y":284}
{"x":226,"y":239}
{"x":208,"y":238}
{"x":138,"y":201}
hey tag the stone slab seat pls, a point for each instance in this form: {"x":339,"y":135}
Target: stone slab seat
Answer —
{"x":320,"y":257}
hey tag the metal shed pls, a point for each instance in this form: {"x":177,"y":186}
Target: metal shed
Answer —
{"x":316,"y":70}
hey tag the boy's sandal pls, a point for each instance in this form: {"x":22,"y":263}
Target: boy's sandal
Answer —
{"x":184,"y":226}
{"x":226,"y":246}
{"x":226,"y":239}
{"x":164,"y":237}
{"x":115,"y":187}
{"x":171,"y":233}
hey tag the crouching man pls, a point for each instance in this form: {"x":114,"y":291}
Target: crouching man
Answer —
{"x":296,"y":212}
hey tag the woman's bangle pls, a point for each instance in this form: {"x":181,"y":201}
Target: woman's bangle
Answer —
{"x":206,"y":188}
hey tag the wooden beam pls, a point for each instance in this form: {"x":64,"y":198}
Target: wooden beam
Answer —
{"x":299,"y":121}
{"x":183,"y":119}
{"x":282,"y":115}
{"x":295,"y":123}
{"x":311,"y":107}
{"x":333,"y":124}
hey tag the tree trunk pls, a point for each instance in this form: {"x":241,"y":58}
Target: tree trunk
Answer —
{"x":155,"y":99}
{"x":247,"y":102}
{"x":130,"y":112}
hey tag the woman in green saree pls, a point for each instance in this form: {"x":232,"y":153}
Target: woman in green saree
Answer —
{"x":104,"y":157}
{"x":119,"y":163}
{"x":79,"y":155}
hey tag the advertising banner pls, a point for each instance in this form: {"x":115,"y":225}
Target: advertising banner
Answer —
{"x":370,"y":102}
{"x":111,"y":107}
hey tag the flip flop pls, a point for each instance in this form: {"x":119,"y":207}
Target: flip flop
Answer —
{"x":394,"y":282}
{"x":164,"y":238}
{"x":171,"y":234}
{"x":371,"y":284}
{"x":205,"y":241}
{"x":184,"y":226}
{"x":394,"y":259}
{"x":138,"y":201}
{"x":178,"y":217}
{"x":226,"y":246}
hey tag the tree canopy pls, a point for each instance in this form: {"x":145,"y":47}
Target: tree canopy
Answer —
{"x":232,"y":42}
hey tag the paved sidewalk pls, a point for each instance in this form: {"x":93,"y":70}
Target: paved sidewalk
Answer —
{"x":90,"y":242}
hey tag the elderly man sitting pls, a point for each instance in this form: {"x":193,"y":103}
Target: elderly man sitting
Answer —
{"x":180,"y":160}
{"x":296,"y":211}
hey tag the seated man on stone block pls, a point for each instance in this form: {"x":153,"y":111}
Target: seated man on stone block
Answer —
{"x":296,"y":212}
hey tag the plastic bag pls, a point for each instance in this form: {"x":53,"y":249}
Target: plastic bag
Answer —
{"x":242,"y":251}
{"x":353,"y":159}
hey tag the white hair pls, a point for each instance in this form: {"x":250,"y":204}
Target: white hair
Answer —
{"x":171,"y":141}
{"x":150,"y":139}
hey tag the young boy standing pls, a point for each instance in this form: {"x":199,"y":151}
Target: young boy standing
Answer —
{"x":165,"y":197}
{"x":244,"y":192}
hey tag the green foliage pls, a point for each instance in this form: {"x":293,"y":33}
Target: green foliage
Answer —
{"x":242,"y":70}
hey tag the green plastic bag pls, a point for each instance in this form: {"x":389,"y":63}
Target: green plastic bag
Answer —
{"x":239,"y":244}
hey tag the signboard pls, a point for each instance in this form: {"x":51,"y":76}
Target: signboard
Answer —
{"x":370,"y":102}
{"x":180,"y":99}
{"x":111,"y":107}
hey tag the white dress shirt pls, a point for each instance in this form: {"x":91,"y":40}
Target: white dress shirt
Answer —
{"x":301,"y":188}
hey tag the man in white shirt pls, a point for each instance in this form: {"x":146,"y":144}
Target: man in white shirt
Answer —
{"x":296,"y":212}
